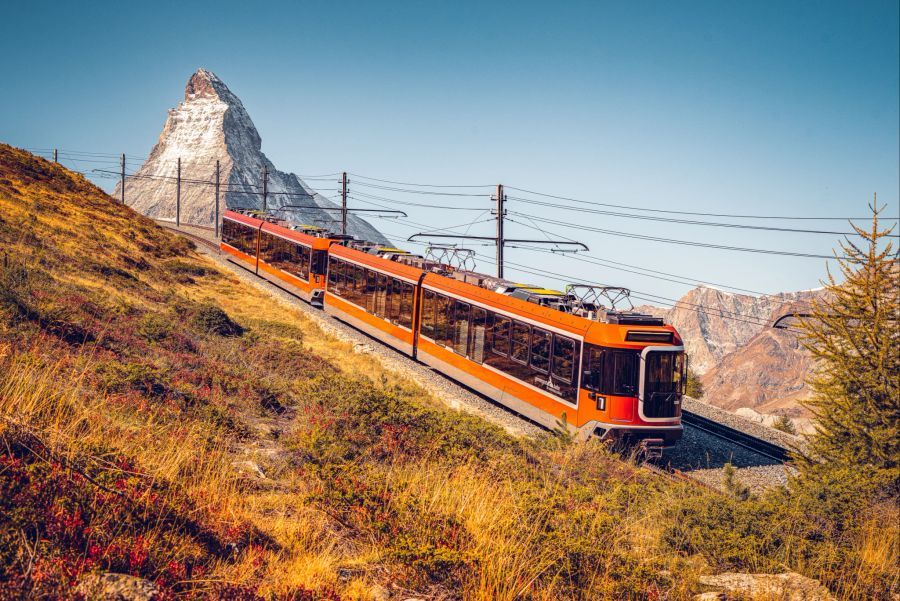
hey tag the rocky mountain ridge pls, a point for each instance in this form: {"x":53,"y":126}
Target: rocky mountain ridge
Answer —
{"x":741,"y":360}
{"x":212,"y":124}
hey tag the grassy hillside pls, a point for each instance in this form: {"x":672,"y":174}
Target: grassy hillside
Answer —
{"x":161,"y":419}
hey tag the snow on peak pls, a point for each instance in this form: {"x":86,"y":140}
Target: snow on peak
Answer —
{"x":211,"y":125}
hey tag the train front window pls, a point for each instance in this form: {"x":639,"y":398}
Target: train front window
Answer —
{"x":664,"y":373}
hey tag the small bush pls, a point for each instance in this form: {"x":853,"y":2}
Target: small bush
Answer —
{"x":185,"y":271}
{"x":211,"y":319}
{"x":785,"y":424}
{"x":153,"y":327}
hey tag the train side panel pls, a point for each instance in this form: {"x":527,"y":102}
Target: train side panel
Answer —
{"x":374,"y":295}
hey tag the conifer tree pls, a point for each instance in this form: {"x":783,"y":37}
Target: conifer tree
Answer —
{"x":853,"y":333}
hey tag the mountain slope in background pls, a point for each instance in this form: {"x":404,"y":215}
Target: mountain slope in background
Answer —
{"x":212,"y":124}
{"x":742,"y":361}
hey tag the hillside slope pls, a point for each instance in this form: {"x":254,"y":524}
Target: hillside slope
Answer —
{"x":158,"y":418}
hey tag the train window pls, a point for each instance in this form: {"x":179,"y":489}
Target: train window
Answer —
{"x":332,"y":273}
{"x":319,"y":262}
{"x":663,"y":382}
{"x":396,"y":293}
{"x":350,"y":282}
{"x":540,"y":350}
{"x":359,"y":276}
{"x":406,"y":304}
{"x":353,"y":285}
{"x":593,"y":368}
{"x":381,"y":294}
{"x":443,"y":315}
{"x":620,"y":372}
{"x":518,"y":347}
{"x":428,"y":303}
{"x":461,"y":327}
{"x":341,"y":278}
{"x":563,"y":358}
{"x":266,"y":247}
{"x":500,"y":335}
{"x":239,"y":236}
{"x":371,"y":290}
{"x":285,"y":255}
{"x":476,"y":341}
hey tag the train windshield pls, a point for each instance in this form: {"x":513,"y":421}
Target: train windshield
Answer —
{"x":663,"y":385}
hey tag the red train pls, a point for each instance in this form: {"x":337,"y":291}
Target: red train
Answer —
{"x":534,"y":351}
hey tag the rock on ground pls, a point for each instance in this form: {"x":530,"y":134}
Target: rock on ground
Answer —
{"x":789,"y":586}
{"x":116,"y":587}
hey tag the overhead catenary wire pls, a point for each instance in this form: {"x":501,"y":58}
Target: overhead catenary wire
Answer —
{"x":387,"y":181}
{"x":652,"y":298}
{"x":681,"y":221}
{"x":414,"y":204}
{"x":424,"y":192}
{"x":674,"y":240}
{"x":694,"y":213}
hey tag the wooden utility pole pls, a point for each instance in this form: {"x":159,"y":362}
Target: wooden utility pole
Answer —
{"x":217,"y":200}
{"x":344,"y":203}
{"x":500,"y":209}
{"x":500,"y":240}
{"x":265,"y":188}
{"x":55,"y":156}
{"x":178,"y":196}
{"x":123,"y":178}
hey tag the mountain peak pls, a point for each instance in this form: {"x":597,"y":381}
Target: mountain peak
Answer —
{"x":205,"y":84}
{"x":211,"y":125}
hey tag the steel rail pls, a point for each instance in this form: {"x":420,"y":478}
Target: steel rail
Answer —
{"x":742,"y":439}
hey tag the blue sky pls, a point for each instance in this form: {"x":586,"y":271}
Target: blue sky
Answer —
{"x":768,"y":108}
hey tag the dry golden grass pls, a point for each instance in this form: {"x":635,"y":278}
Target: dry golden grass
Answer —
{"x":372,"y":487}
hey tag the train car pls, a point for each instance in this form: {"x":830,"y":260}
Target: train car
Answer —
{"x":621,"y":380}
{"x":375,"y":295}
{"x":291,"y":259}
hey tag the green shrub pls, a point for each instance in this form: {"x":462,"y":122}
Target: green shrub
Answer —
{"x":211,"y":319}
{"x":153,"y":327}
{"x":785,"y":424}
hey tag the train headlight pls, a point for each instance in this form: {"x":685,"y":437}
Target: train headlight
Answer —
{"x":601,"y":403}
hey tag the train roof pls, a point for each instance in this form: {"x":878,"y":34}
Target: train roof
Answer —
{"x":612,"y":332}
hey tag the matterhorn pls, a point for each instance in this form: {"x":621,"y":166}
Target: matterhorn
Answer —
{"x":212,"y":125}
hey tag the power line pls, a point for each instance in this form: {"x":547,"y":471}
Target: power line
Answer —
{"x":695,"y":213}
{"x":681,"y":221}
{"x":675,"y":241}
{"x":387,"y":181}
{"x":416,"y":204}
{"x":425,"y":192}
{"x":618,"y":265}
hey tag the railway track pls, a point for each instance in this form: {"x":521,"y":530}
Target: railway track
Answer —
{"x":736,"y":437}
{"x":194,"y":237}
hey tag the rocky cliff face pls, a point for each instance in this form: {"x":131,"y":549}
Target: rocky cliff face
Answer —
{"x":715,"y":323}
{"x":212,"y":124}
{"x":742,"y":361}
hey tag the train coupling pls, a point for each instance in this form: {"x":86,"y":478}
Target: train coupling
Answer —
{"x":651,"y":448}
